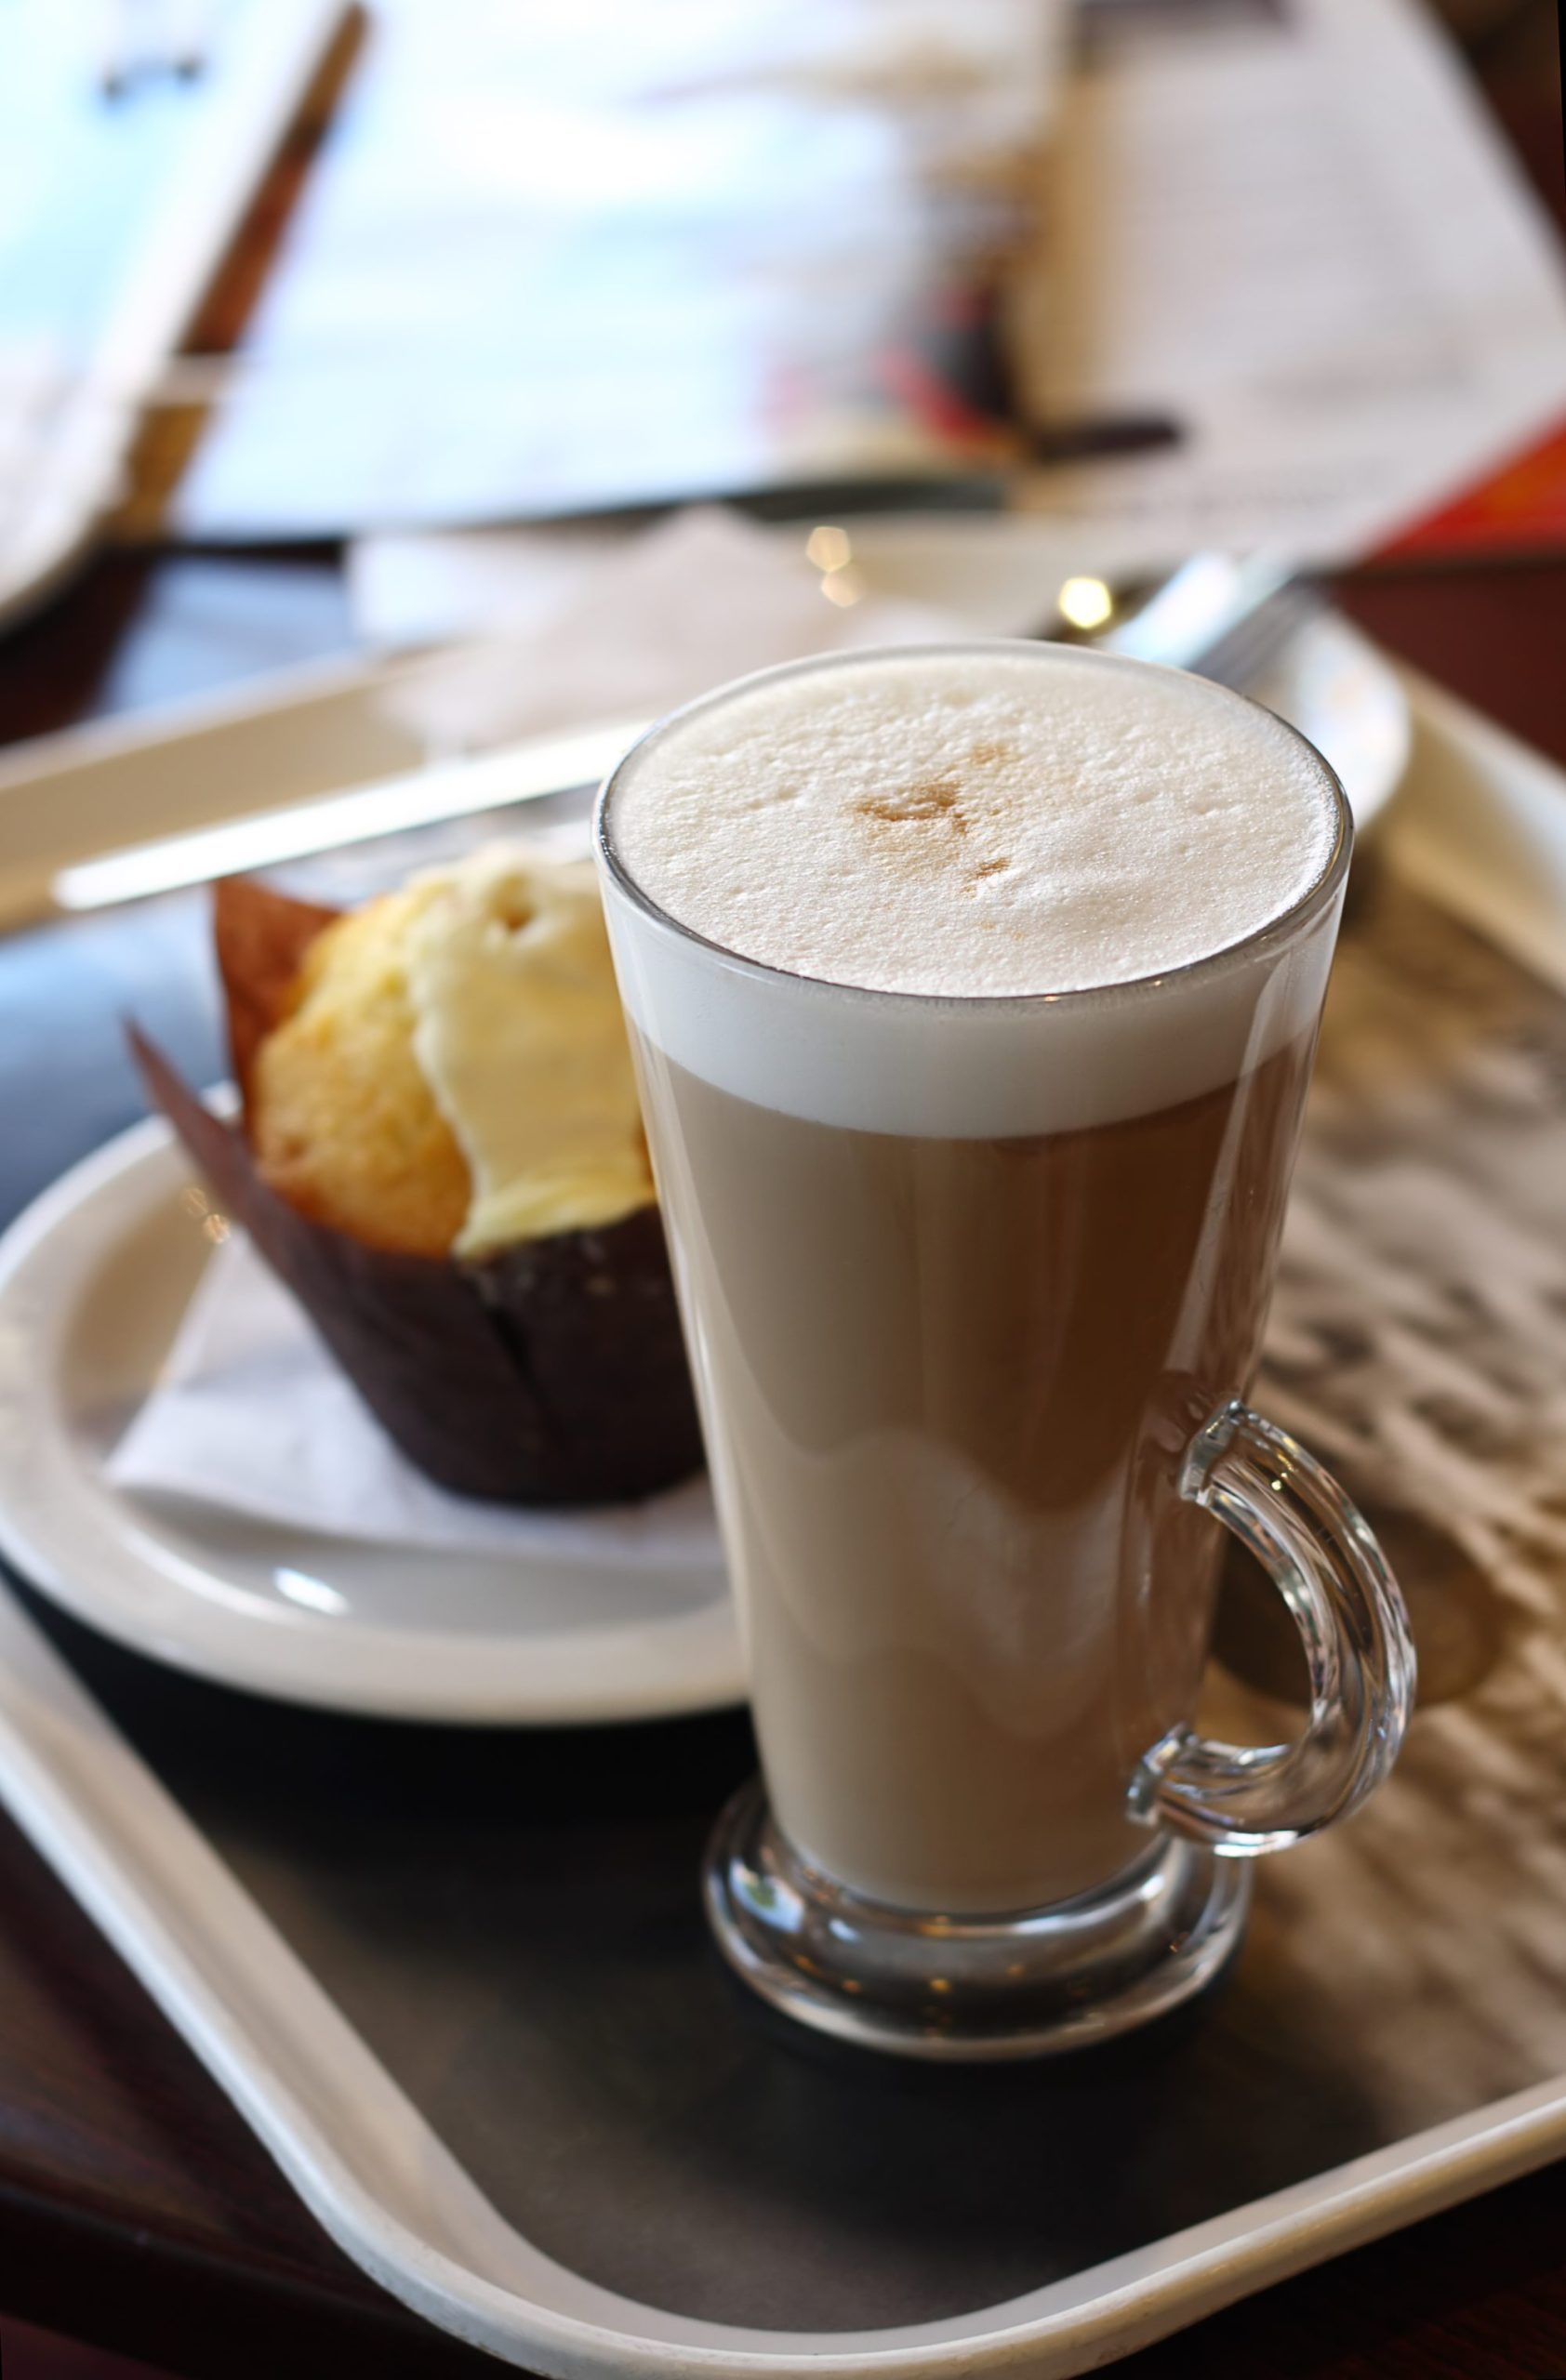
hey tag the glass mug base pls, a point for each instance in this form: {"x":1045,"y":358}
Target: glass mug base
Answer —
{"x":1018,"y":1986}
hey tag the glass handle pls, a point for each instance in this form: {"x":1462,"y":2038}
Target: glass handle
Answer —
{"x":1319,"y":1552}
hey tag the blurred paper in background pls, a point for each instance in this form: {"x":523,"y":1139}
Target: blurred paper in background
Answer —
{"x":1264,"y":262}
{"x":1288,"y":227}
{"x":125,"y":170}
{"x":564,"y":260}
{"x":569,"y":260}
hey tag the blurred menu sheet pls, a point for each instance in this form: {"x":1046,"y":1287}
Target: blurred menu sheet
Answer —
{"x":1288,"y":231}
{"x":559,"y":259}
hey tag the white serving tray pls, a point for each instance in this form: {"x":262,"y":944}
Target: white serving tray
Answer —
{"x":386,"y":2189}
{"x":392,"y":2192}
{"x":68,"y":797}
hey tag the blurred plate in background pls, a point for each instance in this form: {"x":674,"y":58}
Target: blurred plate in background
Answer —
{"x":989,"y":573}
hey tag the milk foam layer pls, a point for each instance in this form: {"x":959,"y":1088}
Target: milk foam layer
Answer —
{"x":944,"y":824}
{"x":1028,"y":839}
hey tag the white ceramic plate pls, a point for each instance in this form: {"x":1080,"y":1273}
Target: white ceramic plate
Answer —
{"x":93,"y":1281}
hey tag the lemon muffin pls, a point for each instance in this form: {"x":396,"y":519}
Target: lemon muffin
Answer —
{"x":441,"y":1153}
{"x":452,"y":1070}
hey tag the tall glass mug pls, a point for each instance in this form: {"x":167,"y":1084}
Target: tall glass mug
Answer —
{"x":974,"y":1288}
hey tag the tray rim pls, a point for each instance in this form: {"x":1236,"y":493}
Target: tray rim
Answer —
{"x":275,"y":2042}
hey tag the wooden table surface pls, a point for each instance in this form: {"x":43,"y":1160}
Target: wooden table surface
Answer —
{"x":135,"y":2210}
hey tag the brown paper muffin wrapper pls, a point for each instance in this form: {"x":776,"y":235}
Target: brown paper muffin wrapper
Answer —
{"x":552,"y":1373}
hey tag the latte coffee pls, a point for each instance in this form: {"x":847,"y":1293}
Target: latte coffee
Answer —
{"x":972,"y":1072}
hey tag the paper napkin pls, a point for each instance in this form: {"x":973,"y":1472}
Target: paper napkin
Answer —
{"x":251,"y":1416}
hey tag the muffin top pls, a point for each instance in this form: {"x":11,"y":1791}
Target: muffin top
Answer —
{"x":452,"y":1073}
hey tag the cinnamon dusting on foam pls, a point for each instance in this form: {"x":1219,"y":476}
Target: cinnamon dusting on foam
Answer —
{"x":931,"y":821}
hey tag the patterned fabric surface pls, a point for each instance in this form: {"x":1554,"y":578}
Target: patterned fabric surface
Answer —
{"x":1418,"y":1345}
